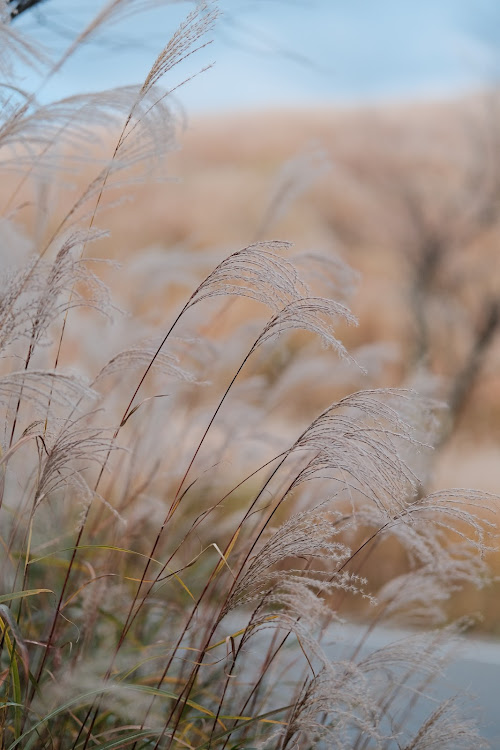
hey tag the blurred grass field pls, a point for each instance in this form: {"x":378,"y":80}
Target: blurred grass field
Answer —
{"x":375,"y":187}
{"x":408,"y":196}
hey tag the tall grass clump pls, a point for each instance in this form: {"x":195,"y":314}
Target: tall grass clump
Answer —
{"x":176,"y":567}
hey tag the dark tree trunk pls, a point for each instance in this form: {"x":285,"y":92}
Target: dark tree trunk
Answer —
{"x":19,"y":6}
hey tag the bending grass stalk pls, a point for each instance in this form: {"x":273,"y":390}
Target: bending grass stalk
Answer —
{"x":192,"y":678}
{"x":214,"y":573}
{"x":105,"y":176}
{"x":87,"y":512}
{"x":175,"y":504}
{"x":207,"y":586}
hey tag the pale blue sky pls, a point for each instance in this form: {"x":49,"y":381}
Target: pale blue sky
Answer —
{"x":290,"y":52}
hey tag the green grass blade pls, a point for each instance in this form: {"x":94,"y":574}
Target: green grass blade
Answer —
{"x":262,"y":717}
{"x":86,"y":697}
{"x":123,"y":741}
{"x":15,"y":681}
{"x":23,"y":594}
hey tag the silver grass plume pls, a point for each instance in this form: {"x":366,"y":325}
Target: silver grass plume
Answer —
{"x":354,"y":443}
{"x":35,"y":296}
{"x":310,"y":535}
{"x":67,"y":456}
{"x":144,"y":135}
{"x":312,"y":314}
{"x":258,"y":272}
{"x":43,"y":387}
{"x":447,"y":729}
{"x":339,"y":693}
{"x":140,"y":357}
{"x":357,"y":703}
{"x":183,"y":43}
{"x":357,"y":442}
{"x":330,"y":272}
{"x":445,"y":537}
{"x":14,"y":46}
{"x":73,"y":121}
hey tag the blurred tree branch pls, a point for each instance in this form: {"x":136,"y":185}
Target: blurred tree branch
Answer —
{"x":19,"y":6}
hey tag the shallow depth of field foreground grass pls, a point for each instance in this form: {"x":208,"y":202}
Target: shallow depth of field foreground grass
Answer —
{"x":175,"y":553}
